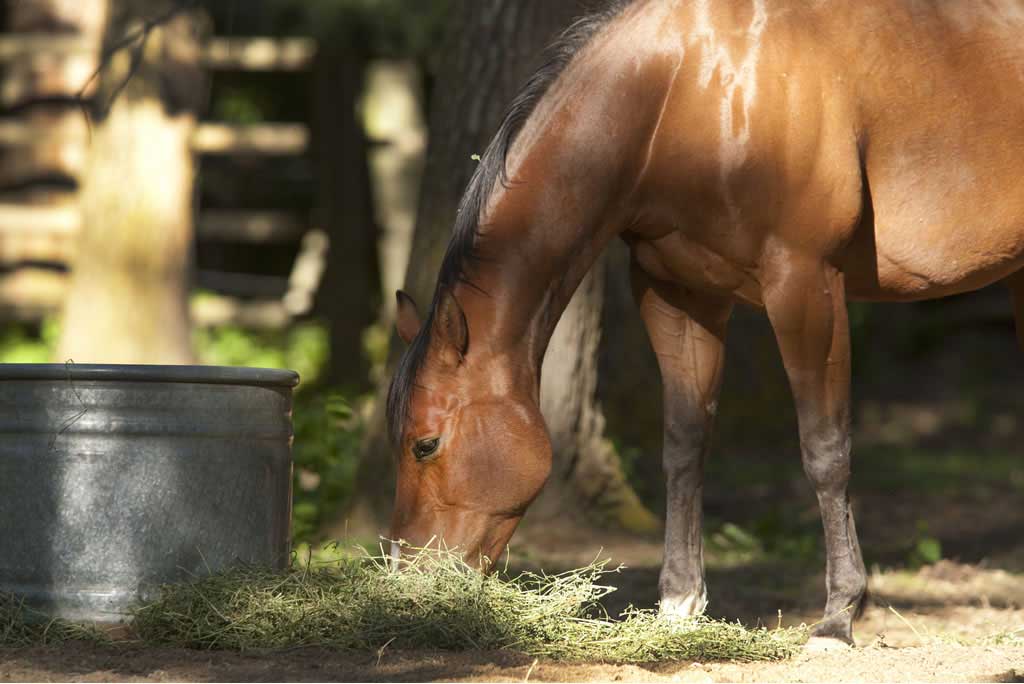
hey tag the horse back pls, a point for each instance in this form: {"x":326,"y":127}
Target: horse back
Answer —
{"x":885,"y":136}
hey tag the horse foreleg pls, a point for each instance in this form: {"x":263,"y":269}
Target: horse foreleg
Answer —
{"x":1016,"y":283}
{"x":806,"y":303}
{"x":687,"y":332}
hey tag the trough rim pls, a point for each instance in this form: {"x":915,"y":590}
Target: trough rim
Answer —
{"x":117,"y":372}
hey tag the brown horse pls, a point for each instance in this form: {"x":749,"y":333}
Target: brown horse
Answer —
{"x":791,"y":154}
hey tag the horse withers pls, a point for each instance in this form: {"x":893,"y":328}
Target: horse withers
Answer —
{"x":792,"y":155}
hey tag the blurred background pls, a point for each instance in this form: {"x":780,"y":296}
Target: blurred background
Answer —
{"x":246,"y":182}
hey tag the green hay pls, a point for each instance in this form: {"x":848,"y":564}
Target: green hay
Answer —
{"x":20,"y":625}
{"x":438,"y":603}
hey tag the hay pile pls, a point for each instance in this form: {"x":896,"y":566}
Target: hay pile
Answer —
{"x":22,"y":626}
{"x":437,"y":603}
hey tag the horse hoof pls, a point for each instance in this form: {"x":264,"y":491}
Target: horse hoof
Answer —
{"x":818,"y":644}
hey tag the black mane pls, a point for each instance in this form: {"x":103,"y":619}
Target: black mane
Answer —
{"x":490,"y":169}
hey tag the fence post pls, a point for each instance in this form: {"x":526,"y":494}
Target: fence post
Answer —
{"x":350,"y":295}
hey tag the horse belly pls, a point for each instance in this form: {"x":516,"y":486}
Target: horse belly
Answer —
{"x":941,"y":96}
{"x":933,"y":243}
{"x":946,"y":208}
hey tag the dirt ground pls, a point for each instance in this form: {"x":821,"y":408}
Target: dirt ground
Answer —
{"x":934,"y":663}
{"x":935,"y":624}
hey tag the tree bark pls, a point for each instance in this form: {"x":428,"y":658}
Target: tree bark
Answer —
{"x":587,"y":469}
{"x":349,"y":297}
{"x":629,"y":382}
{"x":491,"y":48}
{"x":128,"y":295}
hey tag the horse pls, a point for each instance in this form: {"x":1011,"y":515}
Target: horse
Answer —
{"x":793,"y":155}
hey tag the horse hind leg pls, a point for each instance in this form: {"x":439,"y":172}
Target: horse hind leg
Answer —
{"x":687,"y":332}
{"x":1016,"y":284}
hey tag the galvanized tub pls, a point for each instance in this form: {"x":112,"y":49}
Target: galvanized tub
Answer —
{"x":115,"y":479}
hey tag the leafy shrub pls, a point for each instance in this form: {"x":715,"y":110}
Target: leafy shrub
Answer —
{"x":326,"y":453}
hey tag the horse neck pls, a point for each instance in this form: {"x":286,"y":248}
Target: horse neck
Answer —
{"x":573,"y":171}
{"x":533,"y":256}
{"x":571,"y":177}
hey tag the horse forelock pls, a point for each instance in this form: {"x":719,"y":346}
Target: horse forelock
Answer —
{"x":492,"y":168}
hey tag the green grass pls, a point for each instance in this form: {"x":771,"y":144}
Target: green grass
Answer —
{"x":438,"y":602}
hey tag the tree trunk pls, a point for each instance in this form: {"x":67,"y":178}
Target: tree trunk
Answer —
{"x":128,"y":296}
{"x":587,"y":469}
{"x":349,"y":297}
{"x":491,"y":49}
{"x":629,"y":385}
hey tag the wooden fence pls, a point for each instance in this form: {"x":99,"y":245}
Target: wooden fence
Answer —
{"x":37,"y":241}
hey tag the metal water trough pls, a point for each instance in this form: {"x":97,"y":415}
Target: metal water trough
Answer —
{"x":115,"y":479}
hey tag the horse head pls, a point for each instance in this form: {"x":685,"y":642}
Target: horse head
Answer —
{"x":472,"y":447}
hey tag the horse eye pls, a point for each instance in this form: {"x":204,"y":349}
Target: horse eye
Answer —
{"x":425,"y":448}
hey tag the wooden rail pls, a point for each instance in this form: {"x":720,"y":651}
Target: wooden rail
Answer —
{"x":248,"y":54}
{"x":26,"y":219}
{"x":19,"y":221}
{"x":32,"y":293}
{"x":14,"y":46}
{"x":250,"y":226}
{"x":259,"y":54}
{"x":209,"y":138}
{"x":37,"y":241}
{"x":265,"y":139}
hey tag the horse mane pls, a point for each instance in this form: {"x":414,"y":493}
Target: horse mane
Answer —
{"x":491,"y":168}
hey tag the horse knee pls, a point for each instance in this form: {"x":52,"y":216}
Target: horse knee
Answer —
{"x":685,"y":444}
{"x":826,"y":457}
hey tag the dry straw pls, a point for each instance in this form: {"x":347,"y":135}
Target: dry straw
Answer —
{"x":22,"y":626}
{"x":436,"y":602}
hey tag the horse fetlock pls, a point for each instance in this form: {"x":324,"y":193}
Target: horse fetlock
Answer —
{"x":684,"y":605}
{"x":847,"y":592}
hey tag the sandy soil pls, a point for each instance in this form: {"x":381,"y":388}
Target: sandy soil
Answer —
{"x":921,"y":627}
{"x":934,"y":663}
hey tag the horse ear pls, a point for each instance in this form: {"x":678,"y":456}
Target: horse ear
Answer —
{"x":450,"y":323}
{"x":407,"y":317}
